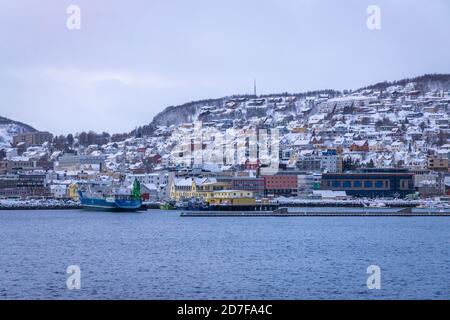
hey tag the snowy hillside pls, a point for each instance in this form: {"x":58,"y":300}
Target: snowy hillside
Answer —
{"x":10,"y":128}
{"x":280,"y":107}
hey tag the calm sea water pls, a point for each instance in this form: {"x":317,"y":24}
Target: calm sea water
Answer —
{"x":158,"y":255}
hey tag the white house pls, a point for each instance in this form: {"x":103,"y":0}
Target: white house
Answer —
{"x":58,"y":190}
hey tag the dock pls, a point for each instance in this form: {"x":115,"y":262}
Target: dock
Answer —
{"x":284,"y":212}
{"x":40,"y":207}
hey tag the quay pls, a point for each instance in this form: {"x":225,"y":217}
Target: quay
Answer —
{"x":284,"y":212}
{"x":348,"y":204}
{"x":41,"y":207}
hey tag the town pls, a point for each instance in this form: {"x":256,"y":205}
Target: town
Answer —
{"x":389,"y":141}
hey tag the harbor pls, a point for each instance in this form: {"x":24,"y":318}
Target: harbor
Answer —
{"x":157,"y":254}
{"x":38,"y":204}
{"x":400,"y":208}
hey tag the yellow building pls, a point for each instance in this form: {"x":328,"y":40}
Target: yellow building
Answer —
{"x":72,"y":191}
{"x":232,"y":197}
{"x":186,"y":188}
{"x":210,"y":190}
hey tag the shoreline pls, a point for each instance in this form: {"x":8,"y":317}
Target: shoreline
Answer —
{"x":222,"y":214}
{"x":38,"y":208}
{"x":359,"y":205}
{"x":11,"y":205}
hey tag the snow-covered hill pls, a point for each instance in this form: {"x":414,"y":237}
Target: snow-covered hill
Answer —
{"x":276,"y":105}
{"x":10,"y":128}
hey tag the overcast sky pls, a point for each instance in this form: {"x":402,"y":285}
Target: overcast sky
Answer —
{"x":131,"y":59}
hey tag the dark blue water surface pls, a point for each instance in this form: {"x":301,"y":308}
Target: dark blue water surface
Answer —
{"x":159,"y":255}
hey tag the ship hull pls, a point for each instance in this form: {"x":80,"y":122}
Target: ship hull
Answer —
{"x":104,"y":205}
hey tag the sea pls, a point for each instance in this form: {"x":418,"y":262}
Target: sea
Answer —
{"x":155,"y":254}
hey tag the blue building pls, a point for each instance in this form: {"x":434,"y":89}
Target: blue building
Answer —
{"x":371,"y":183}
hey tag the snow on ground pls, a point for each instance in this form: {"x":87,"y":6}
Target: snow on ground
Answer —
{"x":13,"y":203}
{"x":7,"y":132}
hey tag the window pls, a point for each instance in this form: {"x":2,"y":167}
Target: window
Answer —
{"x":368,"y":184}
{"x":357,"y":184}
{"x":347,"y":184}
{"x":379,"y":184}
{"x":336,"y":184}
{"x":404,"y":184}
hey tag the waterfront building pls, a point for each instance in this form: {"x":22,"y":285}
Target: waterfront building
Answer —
{"x":24,"y":185}
{"x":58,"y":191}
{"x":307,"y":182}
{"x":149,"y":192}
{"x":281,"y":185}
{"x":231,"y":197}
{"x":187,"y":188}
{"x":72,"y":191}
{"x":253,"y":184}
{"x":19,"y":164}
{"x":373,"y":183}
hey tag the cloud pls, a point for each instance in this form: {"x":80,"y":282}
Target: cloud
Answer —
{"x":69,"y":99}
{"x":90,"y":78}
{"x":129,"y":61}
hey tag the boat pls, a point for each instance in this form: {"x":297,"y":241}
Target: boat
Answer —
{"x":181,"y":204}
{"x":112,"y":201}
{"x":377,"y":204}
{"x":167,"y":206}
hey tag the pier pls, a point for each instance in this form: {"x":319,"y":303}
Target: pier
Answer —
{"x":284,"y":212}
{"x":41,"y":207}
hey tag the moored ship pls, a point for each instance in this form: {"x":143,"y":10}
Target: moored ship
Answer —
{"x":112,"y":201}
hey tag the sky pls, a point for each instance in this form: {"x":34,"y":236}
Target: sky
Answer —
{"x":131,"y":59}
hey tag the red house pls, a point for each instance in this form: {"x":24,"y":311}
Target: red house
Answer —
{"x":360,"y":146}
{"x":154,"y":159}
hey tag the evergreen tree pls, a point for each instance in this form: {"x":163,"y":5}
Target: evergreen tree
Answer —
{"x":70,"y":139}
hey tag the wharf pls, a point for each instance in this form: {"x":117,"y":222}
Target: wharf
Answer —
{"x":284,"y":212}
{"x":41,"y":207}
